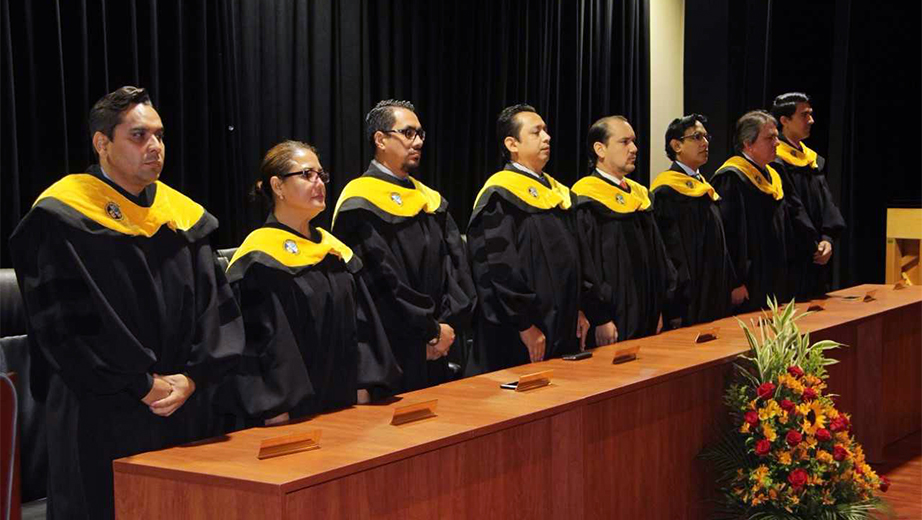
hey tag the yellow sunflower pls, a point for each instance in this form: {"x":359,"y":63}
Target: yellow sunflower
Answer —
{"x":819,"y":418}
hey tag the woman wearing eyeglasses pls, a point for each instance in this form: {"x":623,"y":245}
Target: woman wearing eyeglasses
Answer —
{"x":312,"y":342}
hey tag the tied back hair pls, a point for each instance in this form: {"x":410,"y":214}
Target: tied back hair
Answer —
{"x":275,"y":163}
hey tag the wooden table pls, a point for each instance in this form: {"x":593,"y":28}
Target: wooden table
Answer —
{"x":602,"y":441}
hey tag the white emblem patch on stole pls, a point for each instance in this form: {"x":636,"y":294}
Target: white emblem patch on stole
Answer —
{"x":114,"y":211}
{"x":619,"y":198}
{"x":533,"y":191}
{"x":291,"y":247}
{"x":396,"y":198}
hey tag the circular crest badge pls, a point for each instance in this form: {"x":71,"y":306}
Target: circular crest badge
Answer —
{"x":396,"y":198}
{"x":533,"y":192}
{"x":291,"y":247}
{"x":114,"y":211}
{"x":689,"y":184}
{"x":759,"y":180}
{"x":619,"y":198}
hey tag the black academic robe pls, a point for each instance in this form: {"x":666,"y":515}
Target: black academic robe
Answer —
{"x":805,"y":175}
{"x":626,"y":255}
{"x":764,"y":227}
{"x":312,"y":336}
{"x":688,"y":217}
{"x":525,"y":260}
{"x":415,"y":266}
{"x":117,"y":288}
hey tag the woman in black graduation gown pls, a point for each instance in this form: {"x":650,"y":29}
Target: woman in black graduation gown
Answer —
{"x":313,"y":343}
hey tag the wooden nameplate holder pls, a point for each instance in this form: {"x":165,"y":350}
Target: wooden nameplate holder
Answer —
{"x":900,"y":285}
{"x":532,"y":381}
{"x":286,"y":444}
{"x":625,"y":354}
{"x":414,"y":412}
{"x":816,"y":306}
{"x":707,"y":335}
{"x":870,"y":296}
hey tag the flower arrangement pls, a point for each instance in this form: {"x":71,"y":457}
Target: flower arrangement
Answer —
{"x":790,"y":453}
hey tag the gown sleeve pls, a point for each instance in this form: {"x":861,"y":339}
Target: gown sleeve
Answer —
{"x":498,"y":271}
{"x":458,"y":293}
{"x":396,"y":301}
{"x":733,"y":214}
{"x":832,"y":223}
{"x":599,"y":305}
{"x":272,"y":377}
{"x":667,"y":222}
{"x":378,"y":369}
{"x":219,"y":336}
{"x":77,"y":331}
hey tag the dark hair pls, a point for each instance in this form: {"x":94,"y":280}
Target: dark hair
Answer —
{"x":786,"y":104}
{"x":677,"y":128}
{"x":106,"y":114}
{"x":276,"y":162}
{"x":507,"y":126}
{"x":600,"y":132}
{"x":381,"y":117}
{"x":749,"y":126}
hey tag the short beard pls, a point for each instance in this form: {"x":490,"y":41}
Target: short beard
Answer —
{"x":409,"y":166}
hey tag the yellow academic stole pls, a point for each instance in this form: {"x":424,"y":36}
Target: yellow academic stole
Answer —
{"x":685,"y":184}
{"x":755,"y":176}
{"x":391,"y":198}
{"x":613,"y":198}
{"x":103,"y":204}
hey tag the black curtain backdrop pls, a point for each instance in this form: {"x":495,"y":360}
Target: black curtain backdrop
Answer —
{"x":860,"y":63}
{"x":231,"y":78}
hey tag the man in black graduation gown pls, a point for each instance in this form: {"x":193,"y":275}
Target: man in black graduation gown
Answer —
{"x":629,"y":274}
{"x":693,"y":232}
{"x":525,"y":254}
{"x":132,"y":323}
{"x":806,"y":172}
{"x":416,"y":266}
{"x":764,"y":224}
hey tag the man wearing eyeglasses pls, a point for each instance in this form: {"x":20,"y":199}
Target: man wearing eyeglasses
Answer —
{"x":525,"y":253}
{"x":132,"y":323}
{"x":627,"y":271}
{"x":689,"y":220}
{"x":416,"y":266}
{"x":806,"y":171}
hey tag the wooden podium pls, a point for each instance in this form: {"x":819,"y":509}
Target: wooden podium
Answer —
{"x":904,"y":236}
{"x":601,"y":441}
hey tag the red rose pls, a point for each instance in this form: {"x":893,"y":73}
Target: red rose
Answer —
{"x":797,"y":479}
{"x":752,"y":417}
{"x":809,"y":394}
{"x":839,"y":453}
{"x":794,"y":437}
{"x":796,"y":371}
{"x":823,"y":435}
{"x":787,"y":405}
{"x":763,"y":447}
{"x":766,"y":390}
{"x":839,"y":423}
{"x":884,"y":483}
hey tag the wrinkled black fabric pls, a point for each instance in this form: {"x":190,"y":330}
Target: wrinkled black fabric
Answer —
{"x":693,"y":234}
{"x":526,"y":266}
{"x":417,"y":273}
{"x":105,"y":312}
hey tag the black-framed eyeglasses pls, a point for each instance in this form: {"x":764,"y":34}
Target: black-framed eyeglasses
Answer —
{"x":697,"y":136}
{"x":410,"y":133}
{"x":310,"y":175}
